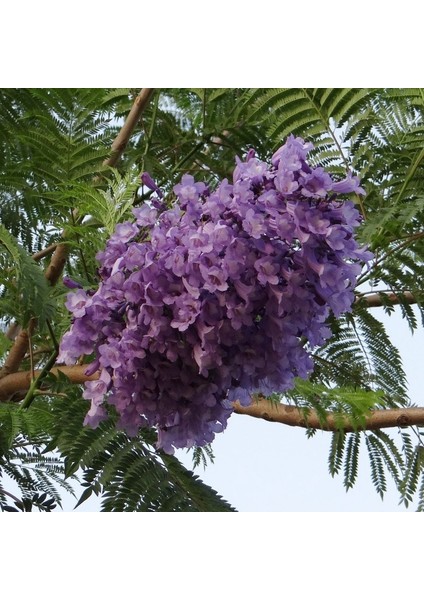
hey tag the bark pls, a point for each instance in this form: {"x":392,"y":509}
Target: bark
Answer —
{"x":43,"y":253}
{"x":57,"y":264}
{"x":131,"y":121}
{"x":18,"y":350}
{"x":290,"y":415}
{"x":16,"y":383}
{"x":376,"y":300}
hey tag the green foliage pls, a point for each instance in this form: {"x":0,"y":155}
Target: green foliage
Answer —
{"x":413,"y":477}
{"x":108,"y":206}
{"x":360,"y":354}
{"x":127,"y":473}
{"x":29,"y":295}
{"x":341,"y":401}
{"x":37,"y":473}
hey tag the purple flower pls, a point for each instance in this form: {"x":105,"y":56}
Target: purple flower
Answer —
{"x":145,"y":215}
{"x":186,"y":309}
{"x":284,"y":181}
{"x":188,"y":189}
{"x":292,"y":153}
{"x":77,"y":303}
{"x":206,"y":302}
{"x":267,"y":271}
{"x":254,"y":224}
{"x":95,"y":416}
{"x":96,"y":390}
{"x":124,"y":232}
{"x":110,"y":355}
{"x":348,"y":185}
{"x":147,"y":180}
{"x":316,"y":184}
{"x":253,"y":170}
{"x":71,"y":284}
{"x":214,"y":278}
{"x":176,"y":261}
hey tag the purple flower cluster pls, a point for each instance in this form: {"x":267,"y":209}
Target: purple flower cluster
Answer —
{"x":221,"y":296}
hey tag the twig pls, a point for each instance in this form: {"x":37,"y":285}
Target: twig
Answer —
{"x":21,"y":381}
{"x":43,"y":253}
{"x":31,"y":356}
{"x":35,"y":383}
{"x":17,"y":351}
{"x":3,"y":491}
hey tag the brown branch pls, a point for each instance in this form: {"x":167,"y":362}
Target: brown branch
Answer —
{"x":290,"y":415}
{"x":376,"y":300}
{"x":3,"y":491}
{"x":20,"y":344}
{"x":128,"y":127}
{"x":16,"y":383}
{"x":43,"y":253}
{"x":18,"y":350}
{"x":57,"y":264}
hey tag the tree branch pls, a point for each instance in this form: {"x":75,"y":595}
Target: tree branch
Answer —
{"x":296,"y":417}
{"x":376,"y":300}
{"x":57,"y":264}
{"x":128,"y":127}
{"x":16,"y":383}
{"x":43,"y":253}
{"x":18,"y":350}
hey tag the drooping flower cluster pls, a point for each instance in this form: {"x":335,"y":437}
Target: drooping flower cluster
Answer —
{"x":223,"y":295}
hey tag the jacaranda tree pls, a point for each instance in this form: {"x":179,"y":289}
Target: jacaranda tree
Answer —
{"x":170,"y":257}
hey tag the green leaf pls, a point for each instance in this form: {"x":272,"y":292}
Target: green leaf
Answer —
{"x":25,"y":282}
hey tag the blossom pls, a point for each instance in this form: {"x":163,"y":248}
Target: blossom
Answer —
{"x":77,"y":303}
{"x":124,"y":232}
{"x":188,"y":189}
{"x":71,"y":284}
{"x":145,"y":215}
{"x":348,"y":185}
{"x":316,"y":184}
{"x":252,"y":169}
{"x":146,"y":178}
{"x":212,"y":299}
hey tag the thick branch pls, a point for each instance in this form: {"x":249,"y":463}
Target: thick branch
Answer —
{"x":57,"y":264}
{"x":20,"y":345}
{"x":131,"y":121}
{"x":18,"y":350}
{"x":290,"y":415}
{"x":376,"y":300}
{"x":17,"y":383}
